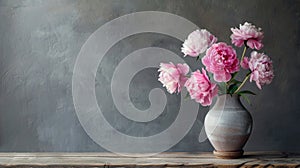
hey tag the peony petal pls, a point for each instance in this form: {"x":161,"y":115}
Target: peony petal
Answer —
{"x":200,"y":88}
{"x":173,"y":77}
{"x":183,"y":68}
{"x":197,"y":42}
{"x":254,"y":44}
{"x":245,"y":63}
{"x":247,"y":33}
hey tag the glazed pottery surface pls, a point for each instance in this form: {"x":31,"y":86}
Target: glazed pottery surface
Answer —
{"x":228,"y":126}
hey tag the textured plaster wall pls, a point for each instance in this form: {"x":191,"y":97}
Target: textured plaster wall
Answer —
{"x":39,"y":42}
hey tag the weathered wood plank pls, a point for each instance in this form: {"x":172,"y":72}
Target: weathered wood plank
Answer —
{"x":176,"y":159}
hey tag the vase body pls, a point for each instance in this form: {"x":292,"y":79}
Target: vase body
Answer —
{"x":228,"y":126}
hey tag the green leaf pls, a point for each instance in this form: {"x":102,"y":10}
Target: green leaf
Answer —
{"x":187,"y":95}
{"x":233,"y":75}
{"x":232,"y":88}
{"x":234,"y":81}
{"x":246,"y":98}
{"x":222,"y":87}
{"x":245,"y":92}
{"x":198,"y":57}
{"x":210,"y":75}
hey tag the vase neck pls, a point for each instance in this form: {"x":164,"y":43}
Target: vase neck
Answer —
{"x":229,"y":100}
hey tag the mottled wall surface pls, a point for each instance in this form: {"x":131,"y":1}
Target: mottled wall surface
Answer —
{"x":40,"y":40}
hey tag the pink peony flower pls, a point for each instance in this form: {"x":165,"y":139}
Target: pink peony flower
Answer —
{"x":173,"y":76}
{"x":245,"y":63}
{"x":248,"y":34}
{"x":221,"y":60}
{"x":197,"y":42}
{"x":200,"y":88}
{"x":261,"y":69}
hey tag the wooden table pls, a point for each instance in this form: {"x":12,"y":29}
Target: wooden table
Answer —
{"x":176,"y":159}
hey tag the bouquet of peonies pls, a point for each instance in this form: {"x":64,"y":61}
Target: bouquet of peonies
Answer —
{"x":221,"y":63}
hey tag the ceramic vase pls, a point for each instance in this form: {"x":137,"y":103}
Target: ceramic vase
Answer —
{"x":228,"y":126}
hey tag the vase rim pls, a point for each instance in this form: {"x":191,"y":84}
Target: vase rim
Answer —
{"x":233,"y":95}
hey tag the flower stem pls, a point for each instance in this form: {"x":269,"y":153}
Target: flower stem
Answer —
{"x":243,"y":53}
{"x":242,"y":84}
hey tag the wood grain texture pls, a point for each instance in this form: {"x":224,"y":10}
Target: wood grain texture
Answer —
{"x":176,"y":159}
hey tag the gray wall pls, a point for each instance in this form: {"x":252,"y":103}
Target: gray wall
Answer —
{"x":39,"y":42}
